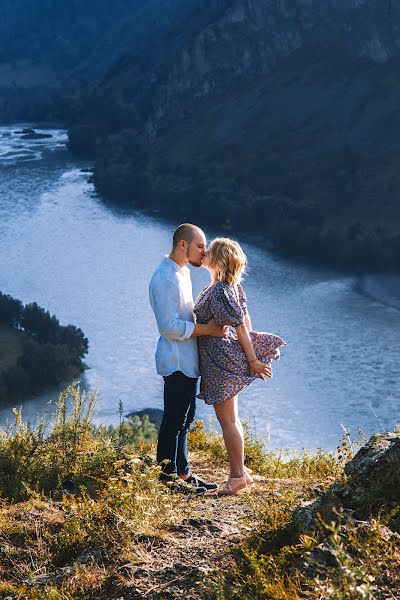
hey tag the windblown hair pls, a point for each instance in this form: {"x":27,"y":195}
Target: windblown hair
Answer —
{"x":228,"y":260}
{"x":186,"y":232}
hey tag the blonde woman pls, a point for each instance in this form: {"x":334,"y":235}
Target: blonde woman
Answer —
{"x":229,"y":364}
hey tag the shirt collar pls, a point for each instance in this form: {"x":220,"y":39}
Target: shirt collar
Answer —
{"x":175,"y":265}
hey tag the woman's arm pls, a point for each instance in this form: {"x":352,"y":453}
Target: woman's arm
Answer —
{"x":247,"y":322}
{"x":256,"y":366}
{"x":243,"y":303}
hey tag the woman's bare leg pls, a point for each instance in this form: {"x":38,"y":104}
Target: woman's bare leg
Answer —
{"x":232,"y":431}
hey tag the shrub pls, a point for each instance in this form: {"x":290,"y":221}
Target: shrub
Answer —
{"x":280,"y":463}
{"x":39,"y":458}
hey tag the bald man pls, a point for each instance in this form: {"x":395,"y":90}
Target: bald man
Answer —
{"x":177,"y":361}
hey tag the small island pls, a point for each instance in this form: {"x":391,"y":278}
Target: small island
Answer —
{"x":31,"y":134}
{"x":36,"y":352}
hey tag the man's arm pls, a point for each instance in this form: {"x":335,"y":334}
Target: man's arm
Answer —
{"x":165,"y":299}
{"x":211,"y":328}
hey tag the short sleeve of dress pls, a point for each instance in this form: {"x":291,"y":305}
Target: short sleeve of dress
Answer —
{"x":243,"y":300}
{"x":225,"y":307}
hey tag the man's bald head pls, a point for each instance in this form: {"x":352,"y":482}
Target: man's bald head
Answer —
{"x":188,"y":245}
{"x":186,"y":232}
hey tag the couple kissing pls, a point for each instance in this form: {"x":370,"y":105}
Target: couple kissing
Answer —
{"x":211,"y":338}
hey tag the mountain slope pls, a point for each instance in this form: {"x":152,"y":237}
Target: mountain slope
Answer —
{"x":276,"y":116}
{"x":51,"y":48}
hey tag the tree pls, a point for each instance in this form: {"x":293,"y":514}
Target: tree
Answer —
{"x":38,"y":322}
{"x":74,"y":338}
{"x":10,"y":310}
{"x":17,"y":382}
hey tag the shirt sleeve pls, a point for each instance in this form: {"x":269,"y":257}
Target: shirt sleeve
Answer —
{"x":165,"y":299}
{"x":225,"y":307}
{"x":243,"y":300}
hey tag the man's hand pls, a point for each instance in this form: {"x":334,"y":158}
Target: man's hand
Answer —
{"x":211,"y":328}
{"x":216,"y":330}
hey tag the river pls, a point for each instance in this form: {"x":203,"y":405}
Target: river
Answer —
{"x":89,"y":263}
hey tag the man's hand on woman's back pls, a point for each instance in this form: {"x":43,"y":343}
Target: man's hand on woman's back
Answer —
{"x":211,"y":328}
{"x":217,"y":330}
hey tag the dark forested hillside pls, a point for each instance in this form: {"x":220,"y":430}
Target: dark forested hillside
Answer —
{"x":49,"y":49}
{"x":280,"y":117}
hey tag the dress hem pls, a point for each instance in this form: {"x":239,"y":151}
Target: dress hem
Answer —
{"x":200,"y":396}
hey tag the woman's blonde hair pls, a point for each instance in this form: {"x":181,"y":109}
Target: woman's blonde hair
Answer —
{"x":228,"y":260}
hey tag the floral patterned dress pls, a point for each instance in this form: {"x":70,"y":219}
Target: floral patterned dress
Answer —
{"x":223,"y":364}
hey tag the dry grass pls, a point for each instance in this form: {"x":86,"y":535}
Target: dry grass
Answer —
{"x":305,"y":465}
{"x":121,"y":534}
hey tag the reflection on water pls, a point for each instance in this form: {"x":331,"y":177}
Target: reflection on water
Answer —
{"x":90,"y":264}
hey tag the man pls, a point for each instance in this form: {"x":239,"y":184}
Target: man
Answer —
{"x":171,"y":299}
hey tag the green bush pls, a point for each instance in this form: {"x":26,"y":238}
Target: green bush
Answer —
{"x":39,"y":459}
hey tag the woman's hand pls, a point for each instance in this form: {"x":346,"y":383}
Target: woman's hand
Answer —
{"x":259,"y":369}
{"x":256,"y":367}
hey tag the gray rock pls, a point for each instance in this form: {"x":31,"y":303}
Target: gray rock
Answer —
{"x":51,"y":577}
{"x":373,"y":481}
{"x":381,"y":451}
{"x":324,"y":555}
{"x":90,"y":556}
{"x":155,"y":415}
{"x":35,"y":136}
{"x":327,"y":555}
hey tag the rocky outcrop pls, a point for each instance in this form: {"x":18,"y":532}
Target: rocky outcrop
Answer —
{"x":372,"y":482}
{"x":253,"y":37}
{"x":332,"y":554}
{"x":239,"y":41}
{"x":354,"y":512}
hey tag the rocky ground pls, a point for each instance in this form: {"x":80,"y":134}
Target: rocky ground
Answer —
{"x":184,"y":560}
{"x":187,"y":559}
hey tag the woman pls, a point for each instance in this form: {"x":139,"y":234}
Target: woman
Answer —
{"x":227,"y":365}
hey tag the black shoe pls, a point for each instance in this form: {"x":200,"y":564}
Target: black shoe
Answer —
{"x":179,"y":486}
{"x":199,"y":482}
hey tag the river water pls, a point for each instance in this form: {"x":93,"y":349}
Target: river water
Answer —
{"x":89,"y":264}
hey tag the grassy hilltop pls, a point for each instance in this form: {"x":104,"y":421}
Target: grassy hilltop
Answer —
{"x":83,"y":515}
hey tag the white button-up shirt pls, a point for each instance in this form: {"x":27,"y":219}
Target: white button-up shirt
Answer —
{"x":171,"y":299}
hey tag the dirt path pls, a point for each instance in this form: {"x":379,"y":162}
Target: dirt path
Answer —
{"x":183,"y":560}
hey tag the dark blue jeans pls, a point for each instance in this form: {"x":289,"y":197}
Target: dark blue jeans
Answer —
{"x":179,"y":410}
